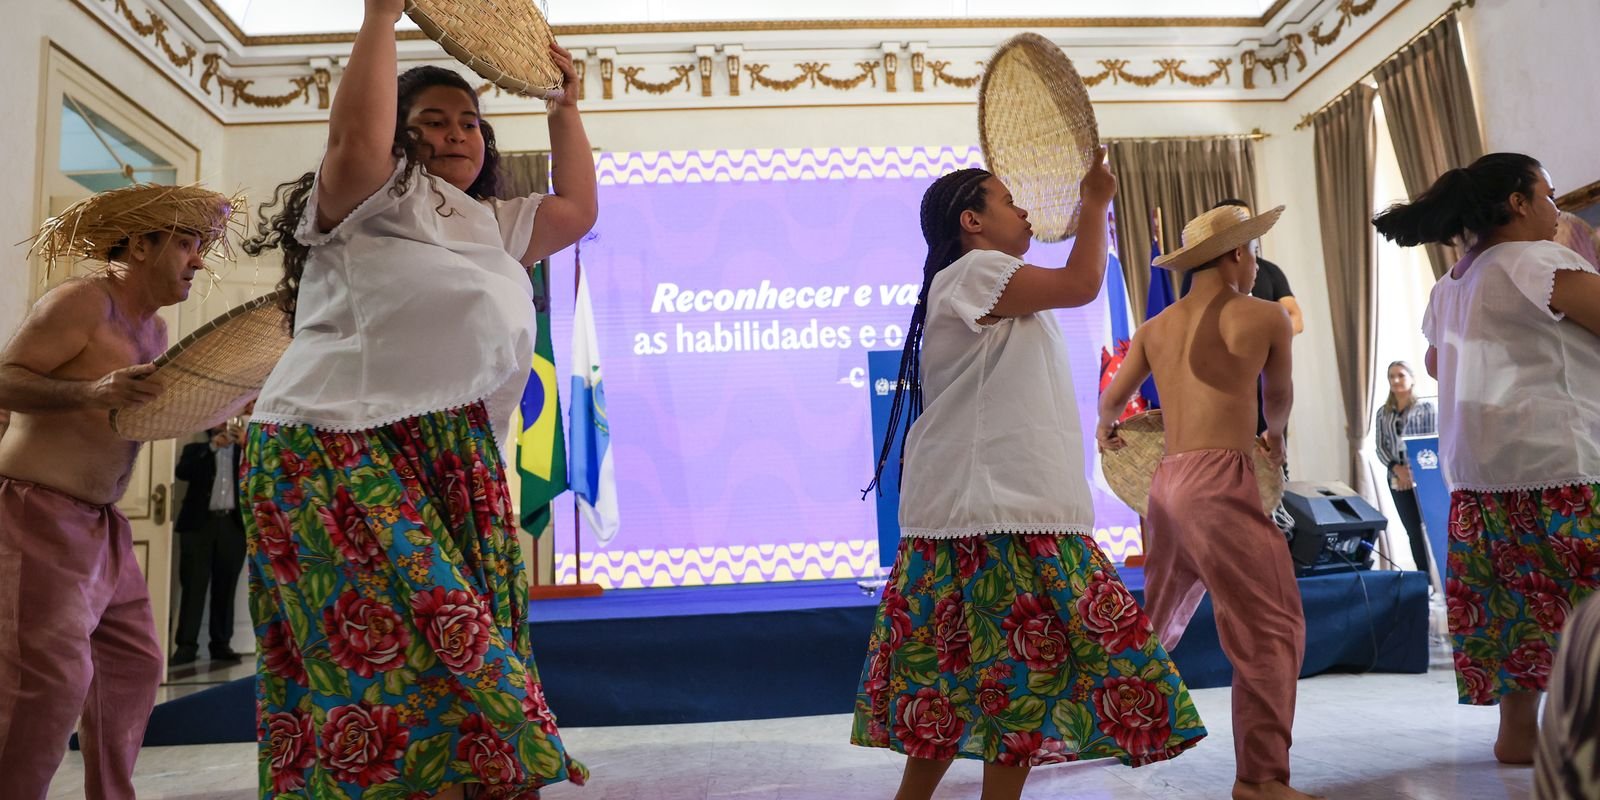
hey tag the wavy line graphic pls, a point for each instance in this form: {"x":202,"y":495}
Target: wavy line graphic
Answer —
{"x":732,"y":166}
{"x":708,"y":566}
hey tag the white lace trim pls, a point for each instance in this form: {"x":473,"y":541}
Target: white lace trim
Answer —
{"x":998,"y":529}
{"x":1000,"y":288}
{"x":294,"y":420}
{"x":1582,"y":480}
{"x":306,"y":231}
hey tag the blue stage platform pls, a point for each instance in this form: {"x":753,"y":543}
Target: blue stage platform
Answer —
{"x":712,"y":653}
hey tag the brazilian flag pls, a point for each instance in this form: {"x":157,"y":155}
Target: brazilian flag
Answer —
{"x":541,"y":445}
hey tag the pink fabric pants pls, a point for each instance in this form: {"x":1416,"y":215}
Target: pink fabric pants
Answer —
{"x":76,"y":638}
{"x":1205,"y":530}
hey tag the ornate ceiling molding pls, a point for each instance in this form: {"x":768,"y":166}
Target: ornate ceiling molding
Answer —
{"x":241,"y":80}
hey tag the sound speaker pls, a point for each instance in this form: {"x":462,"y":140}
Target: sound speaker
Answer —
{"x":1335,"y":529}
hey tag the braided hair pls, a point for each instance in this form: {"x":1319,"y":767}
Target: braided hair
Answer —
{"x":942,"y":206}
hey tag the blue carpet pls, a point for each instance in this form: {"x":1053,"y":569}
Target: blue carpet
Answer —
{"x":704,"y":654}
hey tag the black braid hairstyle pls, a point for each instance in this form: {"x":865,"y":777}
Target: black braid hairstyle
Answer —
{"x":942,"y":206}
{"x":276,"y":232}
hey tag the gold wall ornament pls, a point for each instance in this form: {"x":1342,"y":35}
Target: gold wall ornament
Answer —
{"x":1348,"y":10}
{"x":631,"y":80}
{"x":1099,"y":78}
{"x":1174,"y":70}
{"x":869,"y":69}
{"x":607,"y":68}
{"x":939,"y":74}
{"x":891,"y":64}
{"x":734,"y":55}
{"x":155,"y":28}
{"x":918,"y":63}
{"x":703,"y":56}
{"x":1293,"y":49}
{"x":1119,"y":73}
{"x":320,"y":79}
{"x":759,"y":78}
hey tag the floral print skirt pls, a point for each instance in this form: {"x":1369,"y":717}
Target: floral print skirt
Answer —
{"x":1021,"y":650}
{"x":1519,"y":561}
{"x":390,"y":607}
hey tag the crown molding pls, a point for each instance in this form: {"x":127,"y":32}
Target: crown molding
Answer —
{"x":250,"y":80}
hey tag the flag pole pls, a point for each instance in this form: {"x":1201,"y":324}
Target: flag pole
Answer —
{"x":577,"y":588}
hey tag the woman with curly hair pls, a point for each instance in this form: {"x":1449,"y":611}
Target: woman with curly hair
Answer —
{"x":386,"y":579}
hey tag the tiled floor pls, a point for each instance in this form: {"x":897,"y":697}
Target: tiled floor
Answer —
{"x":1358,"y":737}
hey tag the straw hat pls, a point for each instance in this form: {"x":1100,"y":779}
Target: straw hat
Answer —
{"x":1038,"y":131}
{"x":1130,"y":470}
{"x":1216,"y":232}
{"x":212,"y":374}
{"x":93,"y":227}
{"x":507,"y":42}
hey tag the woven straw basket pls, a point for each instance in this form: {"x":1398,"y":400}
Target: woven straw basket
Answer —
{"x":507,"y":42}
{"x":1038,"y":131}
{"x":211,"y":375}
{"x":1130,"y":470}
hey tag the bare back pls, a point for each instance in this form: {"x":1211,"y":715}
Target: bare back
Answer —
{"x":1207,"y":352}
{"x":76,"y":451}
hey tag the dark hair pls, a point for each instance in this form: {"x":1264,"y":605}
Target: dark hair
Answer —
{"x":119,"y":251}
{"x":1473,"y":199}
{"x":1231,"y":201}
{"x":276,"y":232}
{"x":942,"y":206}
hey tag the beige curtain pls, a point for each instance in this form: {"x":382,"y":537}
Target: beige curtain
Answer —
{"x":524,"y":173}
{"x":1427,"y":97}
{"x":1346,"y":135}
{"x":1183,"y":178}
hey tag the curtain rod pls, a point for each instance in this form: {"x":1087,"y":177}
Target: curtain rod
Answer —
{"x":1307,"y":120}
{"x":1254,"y":135}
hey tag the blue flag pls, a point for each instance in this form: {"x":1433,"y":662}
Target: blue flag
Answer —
{"x":1159,"y":297}
{"x":1117,"y":296}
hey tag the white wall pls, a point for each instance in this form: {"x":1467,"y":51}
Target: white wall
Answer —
{"x":23,"y":43}
{"x":1535,"y":69}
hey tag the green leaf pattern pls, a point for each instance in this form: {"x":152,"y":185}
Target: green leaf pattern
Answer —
{"x":429,"y":494}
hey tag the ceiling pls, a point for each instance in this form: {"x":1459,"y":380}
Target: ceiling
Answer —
{"x":299,"y":17}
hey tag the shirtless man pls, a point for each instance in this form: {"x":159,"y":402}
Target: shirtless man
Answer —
{"x":1205,"y":527}
{"x":76,"y":632}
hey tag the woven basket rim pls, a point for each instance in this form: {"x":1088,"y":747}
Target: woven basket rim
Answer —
{"x":203,"y":394}
{"x":535,"y":75}
{"x":1130,"y":470}
{"x":1068,"y":101}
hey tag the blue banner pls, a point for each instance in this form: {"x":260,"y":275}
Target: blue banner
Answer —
{"x":1433,"y":495}
{"x":883,"y":369}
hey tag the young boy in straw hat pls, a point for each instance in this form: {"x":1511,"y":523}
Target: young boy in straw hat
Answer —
{"x":76,"y":632}
{"x":1206,"y":528}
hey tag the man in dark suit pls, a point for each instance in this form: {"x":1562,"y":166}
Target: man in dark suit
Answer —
{"x":211,"y":548}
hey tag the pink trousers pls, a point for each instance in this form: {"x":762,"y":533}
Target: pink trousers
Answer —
{"x":76,"y":639}
{"x":1206,"y":531}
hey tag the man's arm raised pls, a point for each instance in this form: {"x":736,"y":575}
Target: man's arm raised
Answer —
{"x":55,"y":331}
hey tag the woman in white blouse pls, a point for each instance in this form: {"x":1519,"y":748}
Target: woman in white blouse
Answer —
{"x":1514,"y":335}
{"x":1004,"y":634}
{"x":386,"y":579}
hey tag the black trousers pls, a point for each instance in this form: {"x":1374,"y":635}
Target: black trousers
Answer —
{"x":1405,"y":502}
{"x":210,"y":558}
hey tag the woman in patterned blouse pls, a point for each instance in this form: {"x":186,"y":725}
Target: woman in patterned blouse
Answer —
{"x":1404,"y":415}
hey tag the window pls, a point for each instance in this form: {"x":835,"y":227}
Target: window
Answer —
{"x":98,"y":155}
